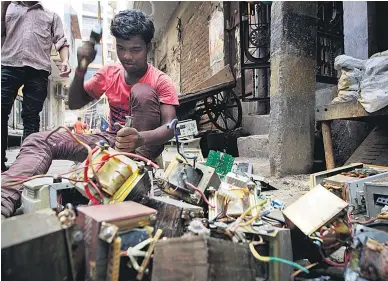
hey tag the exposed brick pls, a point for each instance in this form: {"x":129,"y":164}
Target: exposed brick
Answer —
{"x":195,"y":67}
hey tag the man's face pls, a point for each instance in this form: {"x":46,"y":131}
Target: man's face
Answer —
{"x":132,"y":53}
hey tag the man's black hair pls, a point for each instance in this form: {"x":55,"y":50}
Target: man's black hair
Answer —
{"x":132,"y":22}
{"x":79,"y":118}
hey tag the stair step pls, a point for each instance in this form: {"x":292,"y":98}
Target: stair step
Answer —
{"x":256,"y":124}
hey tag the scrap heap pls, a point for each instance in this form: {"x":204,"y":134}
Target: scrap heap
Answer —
{"x":211,"y":221}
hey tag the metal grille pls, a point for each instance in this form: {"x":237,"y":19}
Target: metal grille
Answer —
{"x":255,"y":34}
{"x":330,"y":39}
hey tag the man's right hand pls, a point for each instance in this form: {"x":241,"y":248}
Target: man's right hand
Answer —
{"x":86,"y":54}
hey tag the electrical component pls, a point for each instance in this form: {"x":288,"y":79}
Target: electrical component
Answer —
{"x":201,"y":258}
{"x":173,"y":216}
{"x":369,"y":255}
{"x":376,"y":195}
{"x":222,"y":162}
{"x":239,"y":181}
{"x":317,"y":208}
{"x":179,"y":173}
{"x":103,"y":223}
{"x":191,"y":146}
{"x":121,"y":178}
{"x":34,"y":247}
{"x":233,"y":201}
{"x":348,"y":182}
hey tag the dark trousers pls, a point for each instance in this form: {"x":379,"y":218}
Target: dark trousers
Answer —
{"x":34,"y":94}
{"x":36,"y":154}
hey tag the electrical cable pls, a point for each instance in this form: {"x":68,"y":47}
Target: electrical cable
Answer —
{"x":97,"y":190}
{"x":331,"y":263}
{"x":299,"y":271}
{"x":13,"y":183}
{"x":268,"y":259}
{"x":243,"y":215}
{"x":89,"y":149}
{"x":200,"y":192}
{"x":254,"y":218}
{"x":131,"y":155}
{"x":173,"y":124}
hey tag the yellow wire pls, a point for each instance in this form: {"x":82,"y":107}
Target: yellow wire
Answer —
{"x":252,"y":219}
{"x":252,"y":207}
{"x":256,"y":254}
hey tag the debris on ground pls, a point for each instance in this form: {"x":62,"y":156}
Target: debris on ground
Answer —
{"x":120,"y":217}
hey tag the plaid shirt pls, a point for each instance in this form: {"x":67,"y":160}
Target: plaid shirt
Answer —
{"x":29,"y":35}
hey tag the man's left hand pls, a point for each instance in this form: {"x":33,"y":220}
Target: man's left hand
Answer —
{"x":65,"y":69}
{"x":128,"y":139}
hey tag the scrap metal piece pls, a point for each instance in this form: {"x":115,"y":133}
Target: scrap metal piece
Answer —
{"x":34,"y":247}
{"x":114,"y":260}
{"x":376,"y":195}
{"x":369,"y":258}
{"x":108,"y":232}
{"x":314,"y":209}
{"x":125,"y":216}
{"x":173,"y":216}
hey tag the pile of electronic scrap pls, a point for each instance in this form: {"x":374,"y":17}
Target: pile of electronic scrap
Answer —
{"x":212,"y":221}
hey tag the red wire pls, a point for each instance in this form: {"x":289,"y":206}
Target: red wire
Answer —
{"x":135,"y":156}
{"x":91,"y":196}
{"x":98,"y":190}
{"x":329,"y":262}
{"x":200,"y":192}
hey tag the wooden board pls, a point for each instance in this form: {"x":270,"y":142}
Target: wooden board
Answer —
{"x":346,"y":110}
{"x":223,"y":79}
{"x":224,"y":76}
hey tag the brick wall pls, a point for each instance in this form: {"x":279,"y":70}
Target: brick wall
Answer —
{"x":195,"y":61}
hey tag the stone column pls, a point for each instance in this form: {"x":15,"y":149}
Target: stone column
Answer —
{"x":292,"y":92}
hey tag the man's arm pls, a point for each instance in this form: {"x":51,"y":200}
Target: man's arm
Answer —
{"x":4,"y":7}
{"x":64,"y":55}
{"x":128,"y":139}
{"x":161,"y":134}
{"x":61,"y":45}
{"x":78,"y":97}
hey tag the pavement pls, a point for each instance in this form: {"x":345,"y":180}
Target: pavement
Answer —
{"x":57,"y":167}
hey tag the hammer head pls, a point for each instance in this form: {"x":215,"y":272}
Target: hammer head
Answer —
{"x":96,"y":34}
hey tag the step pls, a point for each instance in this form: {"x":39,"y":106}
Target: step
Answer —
{"x":255,"y":146}
{"x":256,"y":124}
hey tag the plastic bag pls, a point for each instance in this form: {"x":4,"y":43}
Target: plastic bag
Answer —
{"x":347,"y":62}
{"x":374,"y":85}
{"x":348,"y":85}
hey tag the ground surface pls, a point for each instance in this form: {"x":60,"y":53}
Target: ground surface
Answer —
{"x":289,"y":188}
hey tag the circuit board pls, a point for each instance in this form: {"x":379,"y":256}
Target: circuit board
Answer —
{"x":221,"y":162}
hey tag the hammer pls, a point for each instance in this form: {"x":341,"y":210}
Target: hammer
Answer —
{"x":95,"y":38}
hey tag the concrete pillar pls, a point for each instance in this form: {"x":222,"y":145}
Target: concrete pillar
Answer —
{"x":292,"y":92}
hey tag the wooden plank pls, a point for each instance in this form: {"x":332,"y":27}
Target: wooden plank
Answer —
{"x":221,"y":80}
{"x":328,"y":145}
{"x":224,"y":76}
{"x":345,"y":110}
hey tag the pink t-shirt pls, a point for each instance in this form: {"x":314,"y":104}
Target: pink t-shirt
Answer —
{"x":110,"y":80}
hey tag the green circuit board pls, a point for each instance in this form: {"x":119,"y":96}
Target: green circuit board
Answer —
{"x":221,"y":162}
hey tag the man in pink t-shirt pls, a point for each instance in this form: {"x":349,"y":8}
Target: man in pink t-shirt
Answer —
{"x":133,"y":88}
